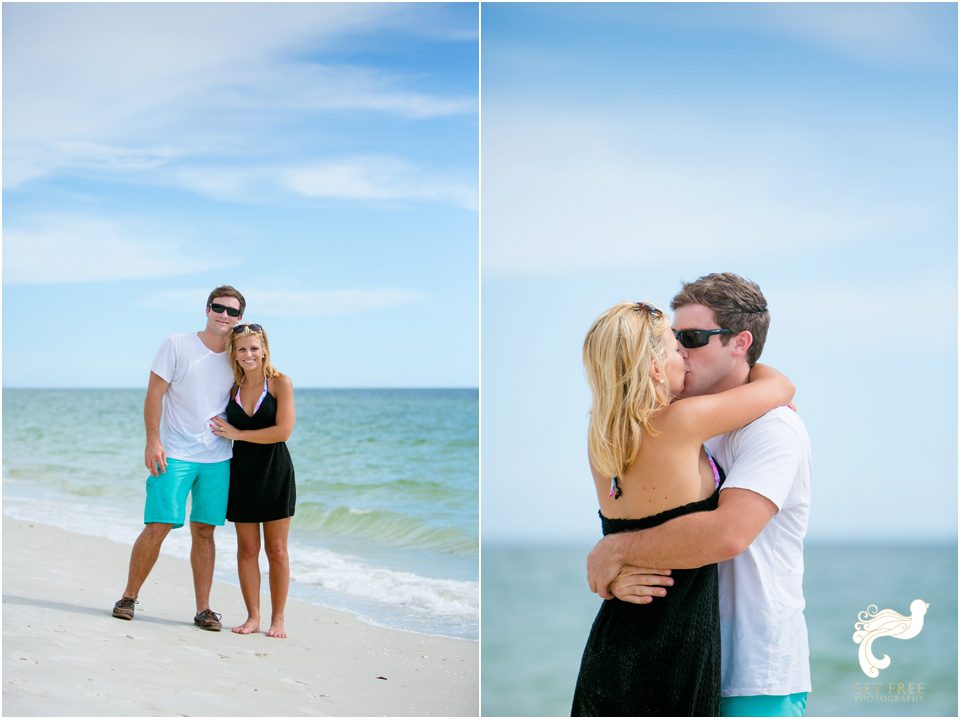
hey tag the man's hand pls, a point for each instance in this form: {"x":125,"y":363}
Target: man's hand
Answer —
{"x":603,"y":565}
{"x":154,"y":456}
{"x":639,"y":585}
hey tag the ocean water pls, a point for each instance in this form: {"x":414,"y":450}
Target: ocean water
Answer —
{"x":537,"y":611}
{"x":386,"y":524}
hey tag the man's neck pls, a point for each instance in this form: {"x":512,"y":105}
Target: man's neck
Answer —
{"x":736,"y":378}
{"x":213,"y":341}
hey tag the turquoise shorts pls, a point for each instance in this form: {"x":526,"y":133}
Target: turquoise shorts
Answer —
{"x":783,"y":705}
{"x":208,"y":484}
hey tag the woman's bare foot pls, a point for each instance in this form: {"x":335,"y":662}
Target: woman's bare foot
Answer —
{"x":251,"y":626}
{"x":276,"y":630}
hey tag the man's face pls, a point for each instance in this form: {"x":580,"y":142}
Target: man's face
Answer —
{"x":708,"y":367}
{"x":222,"y":322}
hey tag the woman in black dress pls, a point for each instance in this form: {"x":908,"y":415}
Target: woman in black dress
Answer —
{"x":260,"y":417}
{"x":649,"y":466}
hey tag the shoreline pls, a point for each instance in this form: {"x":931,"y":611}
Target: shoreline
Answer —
{"x":65,"y":654}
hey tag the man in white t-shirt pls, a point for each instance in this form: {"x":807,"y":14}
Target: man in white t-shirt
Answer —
{"x":190,"y":381}
{"x":756,"y":533}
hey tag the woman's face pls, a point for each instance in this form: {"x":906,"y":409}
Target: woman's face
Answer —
{"x":676,"y":369}
{"x":249,"y":352}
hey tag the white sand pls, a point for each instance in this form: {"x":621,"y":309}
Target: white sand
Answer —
{"x":64,"y":654}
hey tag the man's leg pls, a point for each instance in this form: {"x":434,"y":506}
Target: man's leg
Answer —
{"x":207,"y":512}
{"x":789,"y":705}
{"x":163,"y":510}
{"x":144,"y":555}
{"x":203,"y":555}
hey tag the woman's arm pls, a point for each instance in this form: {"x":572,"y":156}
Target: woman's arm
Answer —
{"x":280,"y":432}
{"x":709,"y":415}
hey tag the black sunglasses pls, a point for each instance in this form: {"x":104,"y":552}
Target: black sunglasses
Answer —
{"x":220,"y":309}
{"x":691,"y":339}
{"x":237,"y":329}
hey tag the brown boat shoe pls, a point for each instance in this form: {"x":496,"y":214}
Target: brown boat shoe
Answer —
{"x":208,"y":620}
{"x":124,"y":608}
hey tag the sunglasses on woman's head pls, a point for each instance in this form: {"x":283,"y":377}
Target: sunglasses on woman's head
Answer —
{"x":220,"y":309}
{"x":691,"y":339}
{"x":651,"y":310}
{"x":237,"y":329}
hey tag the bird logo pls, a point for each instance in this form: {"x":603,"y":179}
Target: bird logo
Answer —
{"x":874,"y":623}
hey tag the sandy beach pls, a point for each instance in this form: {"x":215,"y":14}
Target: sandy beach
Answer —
{"x":64,"y":654}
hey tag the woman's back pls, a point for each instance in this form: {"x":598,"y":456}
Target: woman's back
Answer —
{"x":670,"y":470}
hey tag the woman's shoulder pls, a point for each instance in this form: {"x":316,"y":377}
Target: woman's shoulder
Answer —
{"x":678,"y":415}
{"x":279,"y":383}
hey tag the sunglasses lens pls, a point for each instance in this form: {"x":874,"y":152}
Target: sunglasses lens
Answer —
{"x":691,"y":339}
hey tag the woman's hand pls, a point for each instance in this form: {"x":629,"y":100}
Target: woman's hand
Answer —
{"x":222,"y":428}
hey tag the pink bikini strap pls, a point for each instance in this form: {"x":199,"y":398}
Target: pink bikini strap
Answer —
{"x":259,"y":401}
{"x":713,"y":466}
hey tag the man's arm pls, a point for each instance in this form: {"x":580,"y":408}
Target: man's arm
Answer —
{"x":154,"y":454}
{"x":692,"y":540}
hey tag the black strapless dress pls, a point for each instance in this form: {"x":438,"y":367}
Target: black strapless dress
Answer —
{"x":262,"y":486}
{"x":658,"y":659}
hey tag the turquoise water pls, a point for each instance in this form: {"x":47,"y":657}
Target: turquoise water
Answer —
{"x":387,"y":506}
{"x":537,"y":611}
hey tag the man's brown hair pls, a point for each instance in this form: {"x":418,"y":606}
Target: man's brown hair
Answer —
{"x":737,"y":304}
{"x":227,"y":291}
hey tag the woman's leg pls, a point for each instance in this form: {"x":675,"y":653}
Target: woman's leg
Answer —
{"x":248,"y":567}
{"x":275,"y":537}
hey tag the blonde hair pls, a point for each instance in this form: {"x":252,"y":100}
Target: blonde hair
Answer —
{"x":620,"y":352}
{"x":269,"y":370}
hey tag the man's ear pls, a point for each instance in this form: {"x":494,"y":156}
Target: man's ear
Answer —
{"x":742,"y":341}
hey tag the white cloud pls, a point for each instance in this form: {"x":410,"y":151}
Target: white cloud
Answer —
{"x":888,"y":33}
{"x":565,"y":191}
{"x":298,"y":303}
{"x":378,"y":178}
{"x":93,"y":87}
{"x":352,"y":178}
{"x":73,"y":248}
{"x":315,"y":87}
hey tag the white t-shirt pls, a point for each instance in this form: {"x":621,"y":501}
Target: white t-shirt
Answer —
{"x":200,"y":382}
{"x":762,"y":629}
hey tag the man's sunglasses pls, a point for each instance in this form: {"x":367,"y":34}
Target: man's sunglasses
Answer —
{"x":220,"y":309}
{"x":237,"y":329}
{"x":691,"y":339}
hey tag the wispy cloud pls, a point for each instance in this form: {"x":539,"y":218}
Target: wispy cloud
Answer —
{"x":353,"y":178}
{"x":72,"y":248}
{"x":379,"y":178}
{"x":149,"y":84}
{"x":298,"y":303}
{"x":885,"y":33}
{"x":566,"y":191}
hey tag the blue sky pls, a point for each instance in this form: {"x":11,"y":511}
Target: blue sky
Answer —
{"x":322,"y":158}
{"x":809,"y":147}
